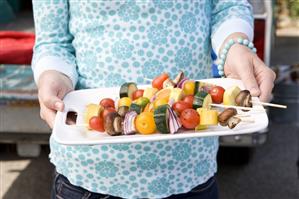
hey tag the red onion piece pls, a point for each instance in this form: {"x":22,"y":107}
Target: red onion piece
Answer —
{"x":129,"y":126}
{"x":181,"y":83}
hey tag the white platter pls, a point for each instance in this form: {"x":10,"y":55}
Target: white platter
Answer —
{"x":79,"y":135}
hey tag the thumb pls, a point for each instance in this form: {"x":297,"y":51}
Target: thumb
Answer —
{"x":51,"y":100}
{"x":247,"y":76}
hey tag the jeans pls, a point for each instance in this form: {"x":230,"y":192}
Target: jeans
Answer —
{"x":63,"y":189}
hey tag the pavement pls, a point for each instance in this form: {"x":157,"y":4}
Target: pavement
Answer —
{"x":271,"y":173}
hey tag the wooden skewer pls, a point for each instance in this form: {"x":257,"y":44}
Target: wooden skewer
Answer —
{"x":270,"y":104}
{"x":230,"y":106}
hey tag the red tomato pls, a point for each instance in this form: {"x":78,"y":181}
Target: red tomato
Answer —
{"x":189,"y":99}
{"x":106,"y":111}
{"x":179,"y":106}
{"x":189,"y":118}
{"x":97,"y":123}
{"x":158,"y":81}
{"x":107,"y":102}
{"x":138,"y":93}
{"x":217,"y":94}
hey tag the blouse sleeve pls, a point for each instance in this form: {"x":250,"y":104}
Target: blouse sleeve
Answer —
{"x":230,"y":17}
{"x":53,"y":48}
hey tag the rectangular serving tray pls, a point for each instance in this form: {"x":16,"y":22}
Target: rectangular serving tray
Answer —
{"x":79,"y":135}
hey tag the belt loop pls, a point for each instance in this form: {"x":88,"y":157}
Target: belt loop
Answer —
{"x":86,"y":195}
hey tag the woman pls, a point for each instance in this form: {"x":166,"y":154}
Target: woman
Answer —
{"x":88,"y":44}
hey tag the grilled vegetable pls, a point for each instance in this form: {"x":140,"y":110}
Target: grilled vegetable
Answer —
{"x":189,"y":87}
{"x":127,"y":90}
{"x":202,"y":99}
{"x":142,"y":101}
{"x":178,"y":78}
{"x":168,"y":83}
{"x":161,"y":116}
{"x":145,"y":123}
{"x":135,"y":107}
{"x":124,"y":101}
{"x":232,"y":122}
{"x":122,"y":111}
{"x":182,"y":82}
{"x":111,"y":127}
{"x":129,"y":123}
{"x":226,"y":115}
{"x":244,"y":99}
{"x":174,"y":123}
{"x":158,"y":81}
{"x":189,"y":118}
{"x":117,"y":125}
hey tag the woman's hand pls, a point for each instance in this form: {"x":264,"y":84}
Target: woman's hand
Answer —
{"x":52,"y":87}
{"x":242,"y":63}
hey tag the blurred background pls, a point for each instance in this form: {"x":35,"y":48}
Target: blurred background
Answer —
{"x":258,"y":165}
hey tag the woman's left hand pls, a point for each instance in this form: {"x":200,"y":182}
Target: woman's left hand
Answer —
{"x":242,"y":63}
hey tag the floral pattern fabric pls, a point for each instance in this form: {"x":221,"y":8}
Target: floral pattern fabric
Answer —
{"x":111,"y":42}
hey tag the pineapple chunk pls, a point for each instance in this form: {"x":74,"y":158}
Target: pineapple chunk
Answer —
{"x":176,"y":94}
{"x":150,"y":92}
{"x":90,"y":111}
{"x":230,"y":95}
{"x":207,"y":116}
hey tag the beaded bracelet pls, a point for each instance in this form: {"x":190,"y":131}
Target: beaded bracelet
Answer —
{"x":227,"y":46}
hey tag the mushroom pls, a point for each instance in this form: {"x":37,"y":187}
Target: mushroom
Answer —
{"x":244,"y":99}
{"x":179,"y":78}
{"x":232,"y":122}
{"x":118,"y":125}
{"x":224,"y":117}
{"x":122,"y":111}
{"x":168,"y":83}
{"x":111,"y":128}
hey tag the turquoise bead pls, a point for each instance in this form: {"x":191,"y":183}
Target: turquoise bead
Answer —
{"x":224,"y":51}
{"x":226,"y":46}
{"x":254,"y":50}
{"x":220,"y":67}
{"x":240,"y":40}
{"x":221,"y":62}
{"x":221,"y":73}
{"x":250,"y":45}
{"x":245,"y":42}
{"x":222,"y":56}
{"x":231,"y":42}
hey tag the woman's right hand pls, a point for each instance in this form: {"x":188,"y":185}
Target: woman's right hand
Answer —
{"x":52,"y":87}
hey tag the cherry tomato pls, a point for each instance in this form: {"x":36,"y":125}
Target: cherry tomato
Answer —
{"x":179,"y":106}
{"x":138,"y":93}
{"x":158,"y":81}
{"x":97,"y":123}
{"x":217,"y":94}
{"x":145,"y":123}
{"x":189,"y":118}
{"x":107,"y":102}
{"x":106,"y":111}
{"x":189,"y":99}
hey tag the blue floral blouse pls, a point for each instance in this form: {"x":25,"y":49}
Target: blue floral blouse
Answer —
{"x":106,"y":43}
